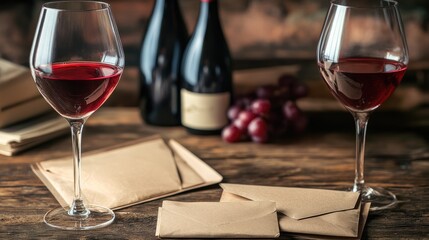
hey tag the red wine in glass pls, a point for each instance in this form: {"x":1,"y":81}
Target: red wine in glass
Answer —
{"x":76,"y":61}
{"x":76,"y":89}
{"x":362,"y":84}
{"x":362,"y":65}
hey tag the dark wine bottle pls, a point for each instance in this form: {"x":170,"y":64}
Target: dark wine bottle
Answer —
{"x":160,"y":60}
{"x":207,"y":75}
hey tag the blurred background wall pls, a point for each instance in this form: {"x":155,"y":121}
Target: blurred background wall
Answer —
{"x":259,"y":33}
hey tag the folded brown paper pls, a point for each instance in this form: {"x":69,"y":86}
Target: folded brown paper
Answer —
{"x":217,"y":220}
{"x":128,"y":175}
{"x":309,"y":211}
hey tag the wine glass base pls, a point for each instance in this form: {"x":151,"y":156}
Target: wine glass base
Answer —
{"x":97,"y":218}
{"x":380,"y":198}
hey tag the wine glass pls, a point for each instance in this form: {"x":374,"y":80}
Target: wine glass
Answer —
{"x":362,"y":56}
{"x":76,"y":61}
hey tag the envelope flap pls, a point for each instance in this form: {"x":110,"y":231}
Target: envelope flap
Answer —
{"x":112,"y":177}
{"x":220,"y":213}
{"x":342,"y":223}
{"x":297,"y":203}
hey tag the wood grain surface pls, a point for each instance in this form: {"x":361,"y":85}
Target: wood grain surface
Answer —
{"x":397,"y":160}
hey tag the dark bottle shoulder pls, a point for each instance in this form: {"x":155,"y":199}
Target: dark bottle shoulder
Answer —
{"x":207,"y":67}
{"x":164,"y":41}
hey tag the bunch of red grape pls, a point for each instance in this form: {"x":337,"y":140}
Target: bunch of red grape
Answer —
{"x":270,"y":111}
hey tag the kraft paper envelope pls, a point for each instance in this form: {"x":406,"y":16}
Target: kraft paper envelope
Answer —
{"x":217,"y":220}
{"x":304,"y":210}
{"x":127,"y":175}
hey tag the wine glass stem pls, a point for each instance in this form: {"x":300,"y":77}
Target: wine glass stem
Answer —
{"x":77,"y":207}
{"x":361,"y":119}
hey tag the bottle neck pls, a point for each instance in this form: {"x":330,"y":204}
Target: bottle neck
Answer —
{"x":170,"y":10}
{"x":211,"y":6}
{"x":174,"y":4}
{"x":166,"y":6}
{"x":209,"y":1}
{"x":209,"y":15}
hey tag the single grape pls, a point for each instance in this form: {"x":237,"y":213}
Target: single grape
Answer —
{"x":291,"y":110}
{"x":240,"y":124}
{"x":258,"y":128}
{"x":231,"y":134}
{"x":247,"y":116}
{"x":233,"y":112}
{"x":243,"y":120}
{"x":265,"y":92}
{"x":261,"y":107}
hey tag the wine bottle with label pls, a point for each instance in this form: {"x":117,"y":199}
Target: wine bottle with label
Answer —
{"x":206,"y":70}
{"x":160,"y":60}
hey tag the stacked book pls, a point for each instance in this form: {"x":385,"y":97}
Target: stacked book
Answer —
{"x":25,"y":118}
{"x":31,"y":132}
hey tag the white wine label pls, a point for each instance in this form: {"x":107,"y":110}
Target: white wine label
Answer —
{"x":204,"y":111}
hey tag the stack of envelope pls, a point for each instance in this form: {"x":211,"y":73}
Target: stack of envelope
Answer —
{"x":308,"y":211}
{"x":316,"y":213}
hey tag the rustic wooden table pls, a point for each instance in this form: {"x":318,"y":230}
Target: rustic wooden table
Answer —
{"x":397,"y":160}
